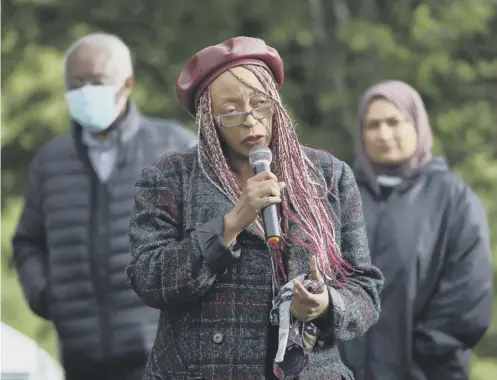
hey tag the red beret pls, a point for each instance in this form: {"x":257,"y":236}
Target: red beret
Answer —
{"x":209,"y":63}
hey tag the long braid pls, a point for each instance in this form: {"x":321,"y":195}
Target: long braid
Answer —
{"x":302,"y":202}
{"x":210,"y":151}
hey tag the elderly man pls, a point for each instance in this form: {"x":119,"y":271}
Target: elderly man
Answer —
{"x":71,"y":244}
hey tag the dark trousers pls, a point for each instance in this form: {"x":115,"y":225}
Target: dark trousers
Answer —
{"x":79,"y":367}
{"x":103,"y":373}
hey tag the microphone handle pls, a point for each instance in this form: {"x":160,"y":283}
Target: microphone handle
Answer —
{"x":269,"y":213}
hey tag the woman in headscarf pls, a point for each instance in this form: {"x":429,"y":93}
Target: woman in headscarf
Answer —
{"x":198,"y":245}
{"x":428,"y":234}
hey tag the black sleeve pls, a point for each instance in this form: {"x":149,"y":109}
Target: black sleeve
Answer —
{"x":459,"y":312}
{"x":29,"y":247}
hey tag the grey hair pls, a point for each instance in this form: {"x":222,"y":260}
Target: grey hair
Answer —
{"x":119,"y":55}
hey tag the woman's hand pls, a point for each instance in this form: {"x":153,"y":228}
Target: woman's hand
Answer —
{"x":260,"y":191}
{"x":307,"y":306}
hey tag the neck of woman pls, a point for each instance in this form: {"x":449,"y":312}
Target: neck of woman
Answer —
{"x":243,"y":172}
{"x":241,"y":168}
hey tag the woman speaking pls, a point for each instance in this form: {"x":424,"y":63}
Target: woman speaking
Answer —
{"x":429,"y":235}
{"x":233,"y":305}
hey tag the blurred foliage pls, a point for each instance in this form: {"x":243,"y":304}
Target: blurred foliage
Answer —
{"x":332,"y":50}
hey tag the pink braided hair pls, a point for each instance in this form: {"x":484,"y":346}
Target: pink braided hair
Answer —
{"x":301,"y":202}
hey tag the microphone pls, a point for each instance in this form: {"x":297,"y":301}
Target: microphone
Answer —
{"x":260,"y":158}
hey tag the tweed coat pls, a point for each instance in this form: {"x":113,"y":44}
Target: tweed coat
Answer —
{"x":215,"y":300}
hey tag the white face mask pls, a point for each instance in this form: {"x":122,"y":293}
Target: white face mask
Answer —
{"x":94,"y":107}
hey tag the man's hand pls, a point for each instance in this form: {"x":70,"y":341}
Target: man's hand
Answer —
{"x":305,"y":305}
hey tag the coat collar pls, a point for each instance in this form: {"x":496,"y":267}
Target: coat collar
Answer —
{"x":205,"y":201}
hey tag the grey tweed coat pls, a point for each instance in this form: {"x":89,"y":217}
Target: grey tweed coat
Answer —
{"x":215,"y":300}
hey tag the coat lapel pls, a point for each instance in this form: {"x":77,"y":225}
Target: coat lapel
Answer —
{"x":205,"y":201}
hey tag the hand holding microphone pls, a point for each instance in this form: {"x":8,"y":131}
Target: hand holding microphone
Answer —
{"x":261,"y":192}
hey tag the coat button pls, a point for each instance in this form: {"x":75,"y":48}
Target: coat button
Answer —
{"x":217,"y":338}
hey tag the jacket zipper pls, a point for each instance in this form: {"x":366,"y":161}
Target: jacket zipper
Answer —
{"x":99,"y":264}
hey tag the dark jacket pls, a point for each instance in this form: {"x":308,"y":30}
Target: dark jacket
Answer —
{"x":215,"y":300}
{"x":431,"y":240}
{"x":71,"y":245}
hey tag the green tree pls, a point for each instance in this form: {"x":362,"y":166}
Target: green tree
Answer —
{"x":332,"y":50}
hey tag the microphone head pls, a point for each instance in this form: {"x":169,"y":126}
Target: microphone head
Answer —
{"x":260,"y":154}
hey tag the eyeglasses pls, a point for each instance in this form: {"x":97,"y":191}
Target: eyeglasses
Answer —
{"x":234,"y":119}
